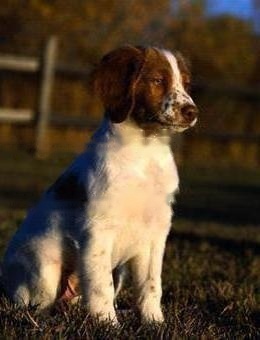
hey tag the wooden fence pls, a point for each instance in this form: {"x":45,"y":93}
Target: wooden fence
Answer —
{"x":47,"y":66}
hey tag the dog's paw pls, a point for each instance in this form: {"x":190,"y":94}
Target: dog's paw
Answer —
{"x":152,"y":315}
{"x":108,"y":319}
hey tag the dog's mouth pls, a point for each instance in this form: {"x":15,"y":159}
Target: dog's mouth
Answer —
{"x":161,"y":126}
{"x":161,"y":121}
{"x":180,"y":127}
{"x":168,"y":124}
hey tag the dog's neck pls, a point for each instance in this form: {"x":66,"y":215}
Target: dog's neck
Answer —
{"x":128,"y":132}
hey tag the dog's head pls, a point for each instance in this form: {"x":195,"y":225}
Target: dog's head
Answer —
{"x":148,"y":86}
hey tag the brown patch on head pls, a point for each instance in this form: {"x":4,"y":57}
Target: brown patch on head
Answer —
{"x":184,"y":68}
{"x":115,"y":78}
{"x":154,"y":84}
{"x":136,"y":83}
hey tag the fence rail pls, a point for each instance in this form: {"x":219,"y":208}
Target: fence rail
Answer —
{"x":46,"y":67}
{"x":16,"y":116}
{"x":32,"y":65}
{"x":17,"y":63}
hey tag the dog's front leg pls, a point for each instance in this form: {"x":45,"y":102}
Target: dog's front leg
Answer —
{"x":146,"y":268}
{"x":96,"y":278}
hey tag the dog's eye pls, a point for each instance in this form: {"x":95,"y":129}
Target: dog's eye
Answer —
{"x":156,"y":81}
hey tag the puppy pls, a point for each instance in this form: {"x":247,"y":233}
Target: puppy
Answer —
{"x":112,"y":206}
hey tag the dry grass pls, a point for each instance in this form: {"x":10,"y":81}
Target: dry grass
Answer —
{"x":211,"y":270}
{"x":210,"y":283}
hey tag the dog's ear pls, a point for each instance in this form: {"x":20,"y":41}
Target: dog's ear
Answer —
{"x":115,"y":79}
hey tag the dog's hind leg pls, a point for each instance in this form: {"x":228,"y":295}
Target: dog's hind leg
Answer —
{"x":45,"y":287}
{"x":45,"y":276}
{"x":36,"y":287}
{"x":14,"y":283}
{"x":33,"y":279}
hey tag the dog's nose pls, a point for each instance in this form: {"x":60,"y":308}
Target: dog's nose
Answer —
{"x":189,"y":113}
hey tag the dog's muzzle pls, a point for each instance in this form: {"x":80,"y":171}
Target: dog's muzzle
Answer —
{"x":179,"y":111}
{"x":189,"y":114}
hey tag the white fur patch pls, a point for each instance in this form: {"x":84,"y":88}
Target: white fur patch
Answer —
{"x":182,"y":97}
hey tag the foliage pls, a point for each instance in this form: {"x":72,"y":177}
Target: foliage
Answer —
{"x":86,"y":28}
{"x":223,"y":47}
{"x":220,"y":48}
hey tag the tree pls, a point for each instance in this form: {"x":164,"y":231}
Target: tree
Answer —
{"x":220,"y":48}
{"x":87,"y":28}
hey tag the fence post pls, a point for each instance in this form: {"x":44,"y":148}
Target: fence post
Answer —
{"x":47,"y":73}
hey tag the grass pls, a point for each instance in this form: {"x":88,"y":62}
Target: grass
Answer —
{"x":211,"y":269}
{"x":210,"y":282}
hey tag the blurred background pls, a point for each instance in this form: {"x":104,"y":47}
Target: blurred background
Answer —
{"x":48,"y":48}
{"x":47,"y":112}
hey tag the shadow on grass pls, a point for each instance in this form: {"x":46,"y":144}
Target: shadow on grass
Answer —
{"x":233,"y":246}
{"x":222,"y":214}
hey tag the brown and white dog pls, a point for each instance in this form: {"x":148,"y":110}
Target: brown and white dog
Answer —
{"x":112,"y":206}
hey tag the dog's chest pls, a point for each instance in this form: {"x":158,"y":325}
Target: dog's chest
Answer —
{"x":141,"y":180}
{"x":136,"y":204}
{"x":144,"y":166}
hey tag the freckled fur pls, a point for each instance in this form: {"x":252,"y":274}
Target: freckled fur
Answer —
{"x":111,"y":206}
